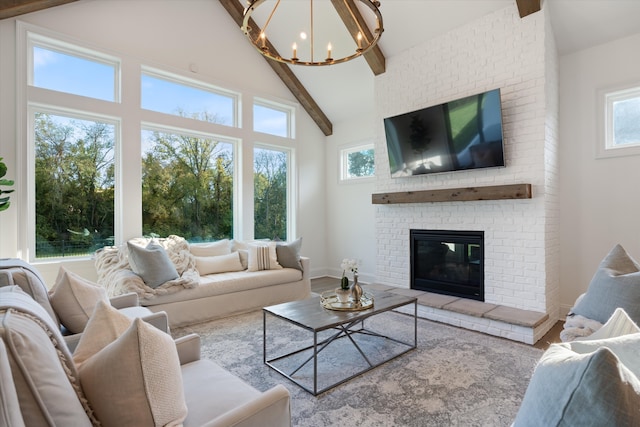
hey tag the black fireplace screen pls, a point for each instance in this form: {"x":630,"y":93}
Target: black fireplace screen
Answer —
{"x":448,"y":262}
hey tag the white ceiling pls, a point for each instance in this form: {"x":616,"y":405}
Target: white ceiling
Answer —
{"x":345,"y":89}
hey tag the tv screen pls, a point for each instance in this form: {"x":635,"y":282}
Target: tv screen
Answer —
{"x":458,"y":135}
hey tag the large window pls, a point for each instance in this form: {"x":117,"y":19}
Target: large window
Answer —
{"x":187,"y":186}
{"x":163,"y":158}
{"x":621,"y":122}
{"x":74,"y":185}
{"x":270,"y":176}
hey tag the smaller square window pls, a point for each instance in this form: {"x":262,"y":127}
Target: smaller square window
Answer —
{"x":621,"y":123}
{"x":357,"y":162}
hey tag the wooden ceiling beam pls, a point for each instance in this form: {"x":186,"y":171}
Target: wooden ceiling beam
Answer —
{"x":235,"y":10}
{"x":527,"y":7}
{"x":12,"y":8}
{"x":374,"y":57}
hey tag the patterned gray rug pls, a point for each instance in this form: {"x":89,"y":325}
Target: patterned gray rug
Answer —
{"x":455,"y":377}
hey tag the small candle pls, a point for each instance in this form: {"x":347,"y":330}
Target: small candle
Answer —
{"x":264,"y":39}
{"x":295,"y":50}
{"x":359,"y":40}
{"x":329,"y":50}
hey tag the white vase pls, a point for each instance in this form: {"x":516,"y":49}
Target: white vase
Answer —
{"x":343,"y":295}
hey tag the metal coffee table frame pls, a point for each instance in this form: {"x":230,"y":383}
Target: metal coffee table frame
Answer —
{"x":311,"y":316}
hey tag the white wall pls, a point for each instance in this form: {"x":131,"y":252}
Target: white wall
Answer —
{"x":599,"y":197}
{"x":350,"y":213}
{"x":177,"y":36}
{"x":502,"y":51}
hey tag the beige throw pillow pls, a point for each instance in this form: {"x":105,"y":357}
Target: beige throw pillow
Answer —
{"x":74,"y":298}
{"x":218,"y":264}
{"x":105,"y":326}
{"x":263,"y":257}
{"x":136,"y":380}
{"x":221,"y":247}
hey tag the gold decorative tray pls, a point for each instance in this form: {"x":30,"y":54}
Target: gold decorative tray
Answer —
{"x":329,"y":300}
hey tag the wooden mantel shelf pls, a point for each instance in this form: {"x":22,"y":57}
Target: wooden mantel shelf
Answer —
{"x":494,"y":192}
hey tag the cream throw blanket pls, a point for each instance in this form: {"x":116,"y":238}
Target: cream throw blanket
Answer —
{"x":116,"y":276}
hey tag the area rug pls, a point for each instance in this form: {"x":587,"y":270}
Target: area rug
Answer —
{"x":455,"y":377}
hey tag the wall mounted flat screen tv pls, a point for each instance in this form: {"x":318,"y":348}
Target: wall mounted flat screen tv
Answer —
{"x":457,"y":135}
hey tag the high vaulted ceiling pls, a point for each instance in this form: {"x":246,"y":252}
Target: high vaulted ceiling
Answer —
{"x":338,"y":92}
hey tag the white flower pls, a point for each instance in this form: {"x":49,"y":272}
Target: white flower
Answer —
{"x":350,"y":265}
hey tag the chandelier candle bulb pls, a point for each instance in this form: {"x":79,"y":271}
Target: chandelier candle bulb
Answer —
{"x":349,"y":12}
{"x":295,"y":51}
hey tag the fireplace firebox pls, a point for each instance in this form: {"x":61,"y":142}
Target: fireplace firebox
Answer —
{"x":448,"y":262}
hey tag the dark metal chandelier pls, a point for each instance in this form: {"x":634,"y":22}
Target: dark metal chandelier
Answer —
{"x":364,"y":39}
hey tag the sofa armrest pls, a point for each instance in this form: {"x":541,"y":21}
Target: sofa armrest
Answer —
{"x":125,"y":300}
{"x":158,"y":319}
{"x":188,"y":348}
{"x":306,"y":267}
{"x":272,"y":408}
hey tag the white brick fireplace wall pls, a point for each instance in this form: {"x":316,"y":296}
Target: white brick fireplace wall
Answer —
{"x":518,"y":56}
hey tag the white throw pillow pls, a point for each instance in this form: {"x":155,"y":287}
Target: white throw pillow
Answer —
{"x":625,"y":347}
{"x":218,"y":264}
{"x":263,"y":257}
{"x":74,"y":298}
{"x":136,"y":380}
{"x":618,"y":324}
{"x":105,"y":326}
{"x":221,"y":247}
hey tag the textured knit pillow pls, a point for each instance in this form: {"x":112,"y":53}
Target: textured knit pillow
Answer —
{"x":289,"y":254}
{"x":73,"y":298}
{"x":152,"y":264}
{"x":263,"y":257}
{"x":105,"y":326}
{"x":221,"y":247}
{"x":219,"y":264}
{"x":136,"y":380}
{"x":615,"y":284}
{"x":572,"y":389}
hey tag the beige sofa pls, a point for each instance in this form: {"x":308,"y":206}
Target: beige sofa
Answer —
{"x":224,"y":294}
{"x":194,"y":297}
{"x":16,"y":272}
{"x":41,"y":384}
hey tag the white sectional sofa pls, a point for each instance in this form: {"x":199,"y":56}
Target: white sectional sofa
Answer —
{"x":223,"y":294}
{"x":197,"y":295}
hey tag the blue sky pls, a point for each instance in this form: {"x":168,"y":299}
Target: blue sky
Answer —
{"x":86,"y":77}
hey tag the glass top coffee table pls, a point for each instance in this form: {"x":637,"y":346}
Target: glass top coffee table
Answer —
{"x":342,"y":344}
